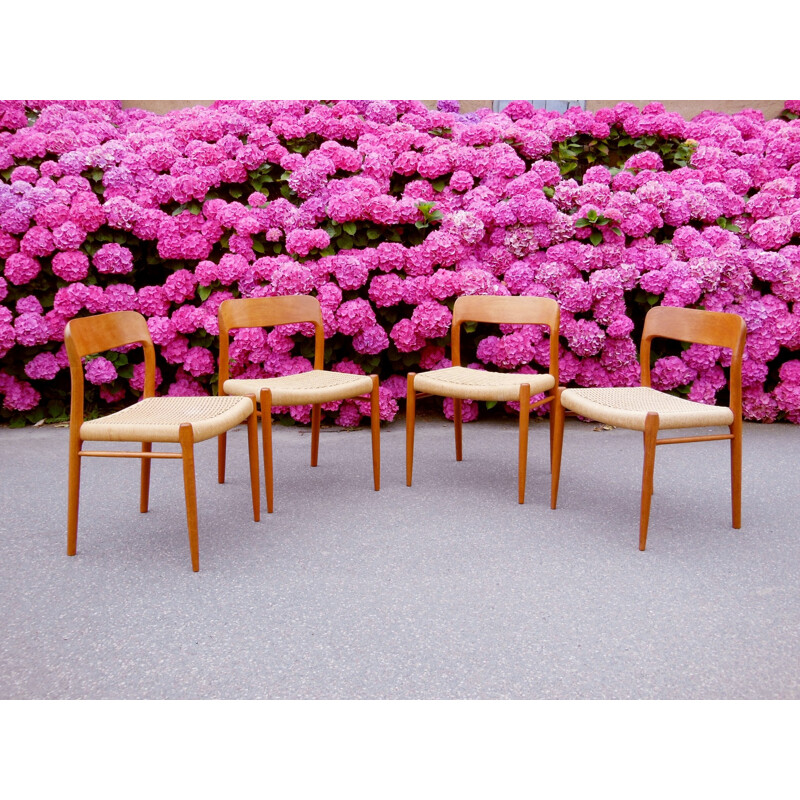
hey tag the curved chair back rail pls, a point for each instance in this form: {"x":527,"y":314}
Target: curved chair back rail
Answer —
{"x":506,"y":310}
{"x":266,"y":312}
{"x":716,"y":328}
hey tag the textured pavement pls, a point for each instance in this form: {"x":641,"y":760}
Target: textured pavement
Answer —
{"x":448,"y":589}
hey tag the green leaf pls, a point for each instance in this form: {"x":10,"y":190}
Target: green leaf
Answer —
{"x":328,"y":251}
{"x":258,"y":246}
{"x":596,"y":238}
{"x":344,"y":242}
{"x":373,"y":234}
{"x":204,"y":292}
{"x":582,"y":222}
{"x":350,"y":227}
{"x":490,"y":404}
{"x":439,"y":184}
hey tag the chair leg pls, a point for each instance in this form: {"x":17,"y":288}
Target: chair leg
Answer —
{"x":144,"y":494}
{"x":736,"y":473}
{"x":316,"y":421}
{"x":457,"y":418}
{"x":375,"y":423}
{"x":650,"y":435}
{"x":186,"y":436}
{"x":557,"y":439}
{"x":252,"y":452}
{"x":411,"y":401}
{"x":266,"y":436}
{"x":524,"y":423}
{"x":73,"y":493}
{"x":222,"y":443}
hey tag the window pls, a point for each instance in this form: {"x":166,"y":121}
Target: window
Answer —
{"x":550,"y":105}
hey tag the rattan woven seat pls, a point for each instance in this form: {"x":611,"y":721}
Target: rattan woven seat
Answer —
{"x":476,"y":384}
{"x":645,"y":409}
{"x":178,"y":420}
{"x":305,"y":388}
{"x":629,"y":407}
{"x":314,"y":387}
{"x":466,"y":383}
{"x":159,"y":419}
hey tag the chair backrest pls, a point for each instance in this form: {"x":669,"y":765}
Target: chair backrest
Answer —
{"x":263,"y":312}
{"x":507,"y":310}
{"x":84,"y":336}
{"x":717,"y":328}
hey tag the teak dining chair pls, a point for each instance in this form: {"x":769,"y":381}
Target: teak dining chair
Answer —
{"x":314,"y":387}
{"x":645,"y":409}
{"x":466,"y":383}
{"x":179,"y":420}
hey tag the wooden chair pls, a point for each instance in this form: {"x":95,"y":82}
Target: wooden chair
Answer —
{"x":465,"y":383}
{"x":645,"y":409}
{"x":314,"y":387}
{"x":180,"y":420}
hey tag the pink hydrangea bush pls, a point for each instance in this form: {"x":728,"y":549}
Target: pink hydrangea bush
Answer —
{"x":387,"y":212}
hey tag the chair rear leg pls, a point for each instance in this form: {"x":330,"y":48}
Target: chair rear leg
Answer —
{"x":524,"y":423}
{"x":457,"y":427}
{"x":186,"y":436}
{"x":144,"y":493}
{"x":411,"y":402}
{"x":266,"y":437}
{"x":252,"y":452}
{"x":375,"y":424}
{"x":222,"y":446}
{"x":73,"y":495}
{"x":650,"y":434}
{"x":557,"y":441}
{"x":316,"y":421}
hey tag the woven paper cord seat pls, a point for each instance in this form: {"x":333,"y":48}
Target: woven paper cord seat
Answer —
{"x":476,"y":384}
{"x":645,"y":409}
{"x":178,"y":420}
{"x":314,"y":387}
{"x":305,"y":388}
{"x":158,"y":419}
{"x":629,"y":407}
{"x":465,"y":383}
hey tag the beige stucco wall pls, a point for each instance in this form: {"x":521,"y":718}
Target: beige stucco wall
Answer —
{"x":687,"y":108}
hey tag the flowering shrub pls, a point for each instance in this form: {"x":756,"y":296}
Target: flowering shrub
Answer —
{"x":388,"y":211}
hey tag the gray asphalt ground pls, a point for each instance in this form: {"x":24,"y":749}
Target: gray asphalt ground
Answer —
{"x":446,"y":590}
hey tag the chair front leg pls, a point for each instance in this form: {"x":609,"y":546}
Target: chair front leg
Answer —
{"x":650,"y":435}
{"x":266,"y":443}
{"x":222,"y":442}
{"x":736,"y":473}
{"x":375,"y":425}
{"x":186,"y":437}
{"x":457,"y":427}
{"x":252,"y":452}
{"x":524,"y":422}
{"x":411,"y":402}
{"x":73,"y":494}
{"x":316,"y":421}
{"x":557,"y":439}
{"x":144,"y":493}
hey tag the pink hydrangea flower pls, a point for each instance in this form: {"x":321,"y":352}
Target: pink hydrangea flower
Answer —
{"x":100,"y":370}
{"x":113,"y":258}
